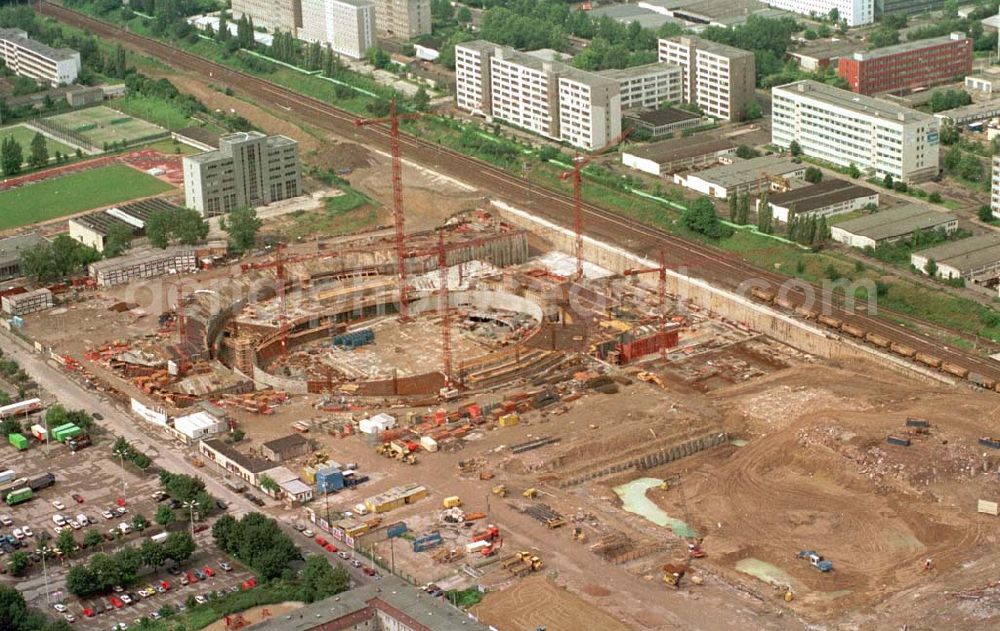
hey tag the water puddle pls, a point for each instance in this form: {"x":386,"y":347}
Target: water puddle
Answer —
{"x":766,"y":572}
{"x":634,"y":500}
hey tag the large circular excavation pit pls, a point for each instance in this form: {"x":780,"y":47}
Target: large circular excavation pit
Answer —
{"x":374,"y":351}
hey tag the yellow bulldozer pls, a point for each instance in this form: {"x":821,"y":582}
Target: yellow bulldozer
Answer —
{"x":531,"y":493}
{"x":500,"y":490}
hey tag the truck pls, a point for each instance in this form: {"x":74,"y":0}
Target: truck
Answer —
{"x":40,"y":433}
{"x":18,"y":441}
{"x":78,"y":443}
{"x":6,"y":476}
{"x":43,"y":481}
{"x":816,"y":560}
{"x":18,"y":496}
{"x":452,"y":502}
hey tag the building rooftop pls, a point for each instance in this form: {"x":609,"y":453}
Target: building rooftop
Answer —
{"x":723,"y":50}
{"x":639,"y":71}
{"x":819,"y":195}
{"x":628,"y":13}
{"x":12,"y":247}
{"x":133,"y":216}
{"x":856,"y":102}
{"x":966,"y":255}
{"x":286,"y":442}
{"x":897,"y":222}
{"x":907,"y":47}
{"x":21,"y":38}
{"x":665,"y":116}
{"x":970,"y":113}
{"x":718,"y":12}
{"x":251,"y":464}
{"x":742,"y":171}
{"x":528,"y":60}
{"x":548,"y":54}
{"x":831,"y":49}
{"x":131,"y":260}
{"x":390,"y":596}
{"x":680,"y":149}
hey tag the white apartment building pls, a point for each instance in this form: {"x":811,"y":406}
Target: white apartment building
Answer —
{"x":281,"y":15}
{"x":846,"y":128}
{"x":525,"y":92}
{"x":472,"y":76}
{"x":26,"y":57}
{"x":855,"y":12}
{"x":403,"y":19}
{"x":995,"y":188}
{"x":717,"y":78}
{"x":348,"y":26}
{"x":648,"y":86}
{"x":590,"y":110}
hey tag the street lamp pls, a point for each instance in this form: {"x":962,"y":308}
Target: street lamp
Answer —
{"x":44,"y":551}
{"x":190,"y":504}
{"x":121,"y":453}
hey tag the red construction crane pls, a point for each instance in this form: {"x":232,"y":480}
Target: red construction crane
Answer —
{"x":445,"y":309}
{"x":579,"y":163}
{"x":661,"y":288}
{"x":397,"y":194}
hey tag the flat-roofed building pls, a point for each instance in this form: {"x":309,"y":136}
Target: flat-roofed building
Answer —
{"x":846,"y":128}
{"x":28,"y":302}
{"x":348,"y":26}
{"x":248,"y":170}
{"x":236,"y":462}
{"x":854,"y":12}
{"x":741,"y":177}
{"x":664,"y":121}
{"x":93,"y":229}
{"x":590,"y":112}
{"x":274,"y":15}
{"x":29,"y":58}
{"x":826,"y":198}
{"x":677,"y":154}
{"x":403,"y":19}
{"x":649,"y":85}
{"x":11,"y":250}
{"x":918,"y":64}
{"x":717,"y":78}
{"x":172,"y":260}
{"x":976,"y":259}
{"x":894,"y":224}
{"x":985,"y":83}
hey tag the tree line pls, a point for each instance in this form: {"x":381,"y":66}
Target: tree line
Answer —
{"x":256,"y":541}
{"x":104,"y":571}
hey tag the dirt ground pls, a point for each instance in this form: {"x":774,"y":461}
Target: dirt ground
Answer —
{"x":257,"y":615}
{"x":538,"y":602}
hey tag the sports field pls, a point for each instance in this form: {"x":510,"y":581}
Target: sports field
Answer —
{"x":75,"y":193}
{"x":99,"y":125}
{"x":23,"y":135}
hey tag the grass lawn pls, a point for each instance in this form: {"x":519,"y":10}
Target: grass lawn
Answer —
{"x":103,"y":124}
{"x":23,"y":135}
{"x":75,"y":193}
{"x":347,"y":213}
{"x":169,"y":147}
{"x":157,"y":111}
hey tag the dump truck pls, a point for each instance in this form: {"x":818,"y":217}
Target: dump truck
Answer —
{"x":673,"y":573}
{"x":492,"y":533}
{"x":816,"y":560}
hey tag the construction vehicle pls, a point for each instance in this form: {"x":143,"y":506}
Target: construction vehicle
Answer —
{"x":474,"y":516}
{"x":530,"y":561}
{"x":816,"y":560}
{"x":398,"y":451}
{"x":695,"y":551}
{"x":492,"y":533}
{"x":452,"y":502}
{"x":673,"y":573}
{"x":492,"y":549}
{"x":447,"y":555}
{"x":500,"y":490}
{"x":578,"y":534}
{"x":664,"y":486}
{"x":555,"y":522}
{"x":531,"y":493}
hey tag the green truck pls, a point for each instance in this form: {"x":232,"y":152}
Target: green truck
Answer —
{"x":19,"y":495}
{"x":20,"y":442}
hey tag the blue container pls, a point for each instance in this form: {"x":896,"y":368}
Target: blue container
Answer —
{"x":329,"y":479}
{"x":354,"y":339}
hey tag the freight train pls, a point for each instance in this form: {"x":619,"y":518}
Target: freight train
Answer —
{"x":879,"y":341}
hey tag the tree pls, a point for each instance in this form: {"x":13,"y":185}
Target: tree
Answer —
{"x":853,"y":171}
{"x":746,"y":152}
{"x":178,"y":546}
{"x":764,"y":219}
{"x":158,"y":229}
{"x":223,"y":531}
{"x":10,"y":426}
{"x":320,"y":579}
{"x":18,"y":563}
{"x":164,"y":515}
{"x":813,"y":175}
{"x":242,"y":225}
{"x":189,"y":227}
{"x":882,"y":37}
{"x":139,"y":522}
{"x":834,"y":15}
{"x":39,"y":151}
{"x":66,"y":543}
{"x":794,"y":148}
{"x":119,"y":240}
{"x":268,"y":485}
{"x":11,"y":156}
{"x":421,"y":100}
{"x":985,"y":213}
{"x":970,"y":168}
{"x":153,"y":554}
{"x":700,"y":217}
{"x":92,"y":538}
{"x":13,"y":609}
{"x":464,"y":16}
{"x":931,"y":267}
{"x":378,"y":58}
{"x":887,"y":181}
{"x":81,"y":581}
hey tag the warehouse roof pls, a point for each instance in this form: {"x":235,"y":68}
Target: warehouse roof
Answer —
{"x":826,"y":50}
{"x":291,"y":441}
{"x":139,"y":258}
{"x":897,"y":222}
{"x":133,"y":216}
{"x":820,"y":195}
{"x":855,"y":102}
{"x":966,"y":254}
{"x":751,"y":170}
{"x":680,"y":148}
{"x":665,"y":116}
{"x":907,"y":47}
{"x":251,"y":464}
{"x":12,"y":247}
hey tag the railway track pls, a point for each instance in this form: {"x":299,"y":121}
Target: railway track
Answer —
{"x":703,"y":261}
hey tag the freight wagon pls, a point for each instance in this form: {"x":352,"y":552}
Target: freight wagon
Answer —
{"x":928,"y":360}
{"x":952,"y":369}
{"x":830,"y":321}
{"x":877,"y":340}
{"x":853,"y":331}
{"x":20,"y":408}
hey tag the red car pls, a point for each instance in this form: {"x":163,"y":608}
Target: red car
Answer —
{"x":250,"y":583}
{"x":78,"y":498}
{"x":330,"y":547}
{"x":207,"y":571}
{"x":116,"y":603}
{"x":165,"y":584}
{"x":191,"y":578}
{"x":321,"y":542}
{"x":88,"y":613}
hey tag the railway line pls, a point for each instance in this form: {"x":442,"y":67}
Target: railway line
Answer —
{"x":713,"y":265}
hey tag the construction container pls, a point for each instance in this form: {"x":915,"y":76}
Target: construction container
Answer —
{"x":309,"y":474}
{"x":428,"y":541}
{"x":917,"y":422}
{"x":64,"y":433}
{"x":830,"y":321}
{"x":428,"y":443}
{"x":43,"y":481}
{"x":928,"y":360}
{"x":987,"y":441}
{"x":354,"y":339}
{"x":40,"y":433}
{"x":902,"y":349}
{"x":952,"y":369}
{"x":18,"y":441}
{"x":19,"y":495}
{"x":510,"y":420}
{"x":452,"y":502}
{"x":853,"y":331}
{"x":329,"y":479}
{"x":476,"y":546}
{"x":896,"y":440}
{"x":6,"y":476}
{"x":982,"y":381}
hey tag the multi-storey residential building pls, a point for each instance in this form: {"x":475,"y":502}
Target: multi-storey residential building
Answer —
{"x":281,"y":15}
{"x":995,"y":188}
{"x":854,"y":12}
{"x":28,"y":58}
{"x":548,"y":98}
{"x":919,"y":64}
{"x":248,"y":169}
{"x":648,"y":86}
{"x":845,"y":128}
{"x":348,"y":26}
{"x":907,"y":7}
{"x":403,"y":19}
{"x":719,"y":79}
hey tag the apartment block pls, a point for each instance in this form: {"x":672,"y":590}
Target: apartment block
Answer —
{"x":908,"y":7}
{"x":248,"y":169}
{"x":590,"y":111}
{"x":403,"y":19}
{"x":845,"y":128}
{"x":348,"y":26}
{"x":280,"y":15}
{"x":717,"y":78}
{"x":25,"y":57}
{"x":855,"y":12}
{"x":995,"y":188}
{"x":904,"y":67}
{"x":648,"y":86}
{"x":472,"y":76}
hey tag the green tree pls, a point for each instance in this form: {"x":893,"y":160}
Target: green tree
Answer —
{"x":39,"y":151}
{"x":80,"y":581}
{"x":853,"y":171}
{"x":320,"y":579}
{"x":10,"y":426}
{"x":158,"y":229}
{"x":378,"y":58}
{"x":794,"y":148}
{"x":139,"y":522}
{"x":153,"y":554}
{"x":11,"y":156}
{"x":985,"y":213}
{"x":178,"y":546}
{"x":464,"y":16}
{"x":92,"y":538}
{"x":66,"y":543}
{"x":242,"y":225}
{"x":13,"y":609}
{"x":882,"y":37}
{"x":887,"y":181}
{"x":764,"y":219}
{"x":164,"y":515}
{"x":18,"y":562}
{"x":746,"y":152}
{"x":268,"y":484}
{"x":813,"y":175}
{"x":119,"y":240}
{"x":970,"y":168}
{"x":700,"y":217}
{"x":189,"y":227}
{"x":421,"y":100}
{"x":931,"y":267}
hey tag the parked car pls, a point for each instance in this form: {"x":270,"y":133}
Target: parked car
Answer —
{"x":6,"y":520}
{"x":107,"y":514}
{"x":97,"y":416}
{"x":184,"y":580}
{"x":174,"y":570}
{"x":117,"y":602}
{"x":343,"y":555}
{"x":69,"y":617}
{"x":201,"y":600}
{"x":117,"y":589}
{"x":61,"y":608}
{"x":78,"y":498}
{"x":120,"y":510}
{"x":355,"y":563}
{"x":221,"y":504}
{"x":27,"y":531}
{"x":126,"y":599}
{"x":58,"y":505}
{"x":201,"y":575}
{"x":226,"y":566}
{"x":18,"y":534}
{"x":308,"y":533}
{"x":369,"y":571}
{"x":208,"y":571}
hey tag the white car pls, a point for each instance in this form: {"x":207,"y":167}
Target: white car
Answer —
{"x":106,"y":514}
{"x":59,"y":529}
{"x":308,"y":533}
{"x":18,"y":534}
{"x":201,"y":600}
{"x":58,"y":520}
{"x":69,"y":617}
{"x":6,"y":520}
{"x":58,"y":505}
{"x":125,"y":598}
{"x":28,"y":532}
{"x":74,"y":524}
{"x":61,"y":608}
{"x":120,"y":510}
